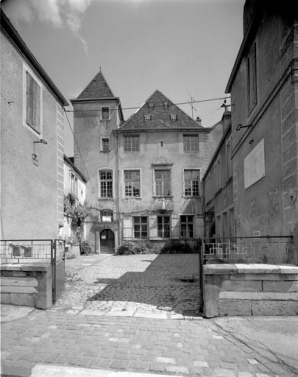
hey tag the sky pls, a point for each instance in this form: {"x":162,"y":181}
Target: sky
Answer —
{"x":184,"y":48}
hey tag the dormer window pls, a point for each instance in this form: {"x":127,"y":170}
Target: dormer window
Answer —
{"x":105,"y":113}
{"x":147,"y":116}
{"x":173,"y":117}
{"x":150,"y":105}
{"x":165,"y":105}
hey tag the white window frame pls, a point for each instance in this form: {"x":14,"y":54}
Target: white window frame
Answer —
{"x":229,"y":160}
{"x":101,"y":144}
{"x":123,"y":175}
{"x":26,"y":69}
{"x":217,"y":174}
{"x":131,"y":136}
{"x":162,"y":168}
{"x":101,"y":113}
{"x":188,"y":223}
{"x":191,"y":150}
{"x":163,"y":232}
{"x":140,"y":224}
{"x":108,"y":170}
{"x":192,"y":195}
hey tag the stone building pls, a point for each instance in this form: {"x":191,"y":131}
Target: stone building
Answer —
{"x":32,"y":143}
{"x":264,"y":93}
{"x":144,"y":174}
{"x":218,"y":188}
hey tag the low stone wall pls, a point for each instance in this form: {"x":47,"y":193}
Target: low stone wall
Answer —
{"x":250,"y":289}
{"x":27,"y":284}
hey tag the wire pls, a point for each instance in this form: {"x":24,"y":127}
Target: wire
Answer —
{"x":79,"y":150}
{"x":157,"y":104}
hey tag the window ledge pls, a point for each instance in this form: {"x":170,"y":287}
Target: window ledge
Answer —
{"x":105,"y":151}
{"x":132,"y":197}
{"x":163,"y":197}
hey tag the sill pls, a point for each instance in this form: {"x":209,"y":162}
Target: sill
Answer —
{"x":105,"y":198}
{"x":191,"y":197}
{"x":162,"y":197}
{"x":132,"y":197}
{"x":105,"y":151}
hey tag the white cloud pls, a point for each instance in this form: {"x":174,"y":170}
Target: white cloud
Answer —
{"x":55,"y":12}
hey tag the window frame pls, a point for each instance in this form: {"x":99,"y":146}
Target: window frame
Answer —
{"x":108,"y":187}
{"x":124,"y":183}
{"x":38,"y":131}
{"x":187,"y":148}
{"x":163,"y":226}
{"x":163,"y":169}
{"x":192,"y":195}
{"x":102,"y":112}
{"x":252,"y":78}
{"x":102,"y":148}
{"x":140,"y":230}
{"x":131,"y":143}
{"x":217,"y":173}
{"x":188,"y":231}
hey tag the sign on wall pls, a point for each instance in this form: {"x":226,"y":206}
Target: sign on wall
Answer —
{"x":254,"y":165}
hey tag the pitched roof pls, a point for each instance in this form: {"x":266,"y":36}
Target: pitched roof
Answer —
{"x":159,"y":112}
{"x":97,"y":88}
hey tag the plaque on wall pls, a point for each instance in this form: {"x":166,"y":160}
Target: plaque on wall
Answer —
{"x":254,"y":165}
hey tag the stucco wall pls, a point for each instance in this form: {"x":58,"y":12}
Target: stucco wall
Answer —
{"x":29,"y":189}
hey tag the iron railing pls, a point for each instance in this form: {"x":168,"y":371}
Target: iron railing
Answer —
{"x":261,"y":249}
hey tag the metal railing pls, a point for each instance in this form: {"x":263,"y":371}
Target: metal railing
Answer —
{"x":29,"y":251}
{"x":261,"y":249}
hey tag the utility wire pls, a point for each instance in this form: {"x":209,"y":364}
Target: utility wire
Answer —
{"x":156,"y":104}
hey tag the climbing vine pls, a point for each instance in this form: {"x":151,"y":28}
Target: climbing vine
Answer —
{"x":74,"y":210}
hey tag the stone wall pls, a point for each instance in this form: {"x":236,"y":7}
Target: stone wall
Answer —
{"x":250,"y":289}
{"x":27,"y":284}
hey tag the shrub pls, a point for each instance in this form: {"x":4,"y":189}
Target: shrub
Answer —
{"x":85,"y":247}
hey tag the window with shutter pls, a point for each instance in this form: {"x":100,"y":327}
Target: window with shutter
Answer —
{"x":33,"y":103}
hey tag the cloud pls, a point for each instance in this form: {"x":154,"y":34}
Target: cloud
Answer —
{"x":58,"y":13}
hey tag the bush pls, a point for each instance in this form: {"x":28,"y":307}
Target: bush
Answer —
{"x":137,"y":247}
{"x":85,"y":247}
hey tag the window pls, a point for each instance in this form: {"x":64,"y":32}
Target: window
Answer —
{"x":186,"y":226}
{"x":217,"y":174}
{"x":173,"y":117}
{"x":33,"y":103}
{"x":150,"y":105}
{"x":132,"y":143}
{"x":165,"y":105}
{"x":105,"y":113}
{"x":191,"y":182}
{"x":147,"y":117}
{"x":106,"y":184}
{"x":252,"y":78}
{"x":140,"y":227}
{"x":163,"y":226}
{"x":105,"y":144}
{"x":229,"y":158}
{"x":132,"y":183}
{"x":161,"y":144}
{"x":74,"y":184}
{"x":190,"y":143}
{"x":162,"y":182}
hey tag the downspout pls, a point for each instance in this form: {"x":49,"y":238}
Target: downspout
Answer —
{"x":118,"y":189}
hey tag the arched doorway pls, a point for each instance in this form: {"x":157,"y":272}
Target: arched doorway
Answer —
{"x":107,"y":242}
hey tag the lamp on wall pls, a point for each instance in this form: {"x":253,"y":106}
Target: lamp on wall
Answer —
{"x":238,"y":128}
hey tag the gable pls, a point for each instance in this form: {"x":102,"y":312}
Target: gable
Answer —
{"x":159,"y":112}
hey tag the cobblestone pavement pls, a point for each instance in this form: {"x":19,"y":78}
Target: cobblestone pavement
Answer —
{"x":130,"y":314}
{"x":163,"y":286}
{"x":177,"y":347}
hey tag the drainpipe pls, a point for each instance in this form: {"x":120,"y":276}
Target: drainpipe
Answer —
{"x":117,"y":188}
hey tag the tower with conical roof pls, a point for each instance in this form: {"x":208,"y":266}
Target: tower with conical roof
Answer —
{"x":97,"y":113}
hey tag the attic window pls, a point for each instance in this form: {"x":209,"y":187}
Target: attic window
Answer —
{"x":165,"y":105}
{"x":151,"y":105}
{"x":147,"y":116}
{"x":173,"y":117}
{"x":105,"y":113}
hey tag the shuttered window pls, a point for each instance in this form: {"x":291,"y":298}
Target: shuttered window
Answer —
{"x":33,"y":103}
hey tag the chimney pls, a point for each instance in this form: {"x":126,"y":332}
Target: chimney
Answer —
{"x":226,"y":119}
{"x":199,"y":121}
